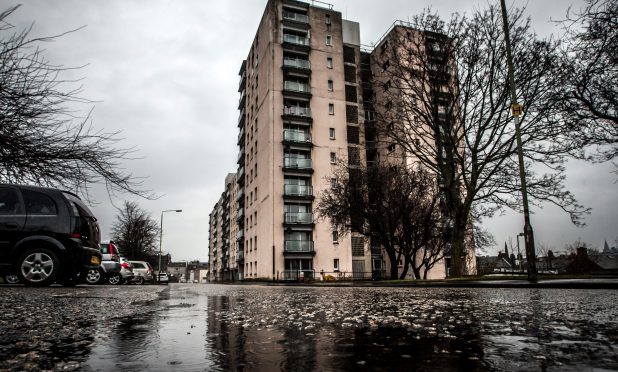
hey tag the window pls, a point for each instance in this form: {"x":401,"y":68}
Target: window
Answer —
{"x":331,"y":109}
{"x":330,"y":85}
{"x":38,"y":203}
{"x":329,"y":62}
{"x":335,"y":237}
{"x":389,"y":105}
{"x":255,"y":244}
{"x":255,"y":218}
{"x":331,"y":133}
{"x":327,"y":19}
{"x":9,"y":202}
{"x":336,"y":264}
{"x":329,"y":40}
{"x":333,"y":183}
{"x":333,"y":158}
{"x":391,"y":147}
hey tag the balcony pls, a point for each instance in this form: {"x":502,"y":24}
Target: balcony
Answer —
{"x":296,"y":136}
{"x":240,"y":256}
{"x":296,"y":40}
{"x":240,"y":215}
{"x":241,"y":101}
{"x":297,"y":164}
{"x":298,"y":246}
{"x":240,"y":177}
{"x":297,"y":112}
{"x":298,"y":218}
{"x":241,"y":156}
{"x":297,"y":63}
{"x":240,"y":235}
{"x":298,"y":190}
{"x":241,"y":137}
{"x":241,"y":192}
{"x":295,"y":17}
{"x":296,"y":87}
{"x":242,"y":82}
{"x":241,"y":118}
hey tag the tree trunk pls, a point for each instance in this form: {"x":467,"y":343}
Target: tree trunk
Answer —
{"x":393,"y":260}
{"x":406,"y":267}
{"x":458,"y":246}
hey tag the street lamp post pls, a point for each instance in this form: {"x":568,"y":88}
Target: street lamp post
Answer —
{"x":516,"y":108}
{"x":161,"y":237}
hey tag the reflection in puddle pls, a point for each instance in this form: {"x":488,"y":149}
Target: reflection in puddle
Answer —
{"x":221,"y":328}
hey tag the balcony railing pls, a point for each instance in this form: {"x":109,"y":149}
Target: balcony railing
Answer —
{"x":296,"y":136}
{"x":240,"y":235}
{"x":301,"y":246}
{"x":240,"y":177}
{"x":296,"y":62}
{"x":297,"y":190}
{"x":295,"y":17}
{"x":298,"y":274}
{"x":294,"y":39}
{"x":297,"y":163}
{"x":298,"y":217}
{"x":297,"y":111}
{"x":295,"y":86}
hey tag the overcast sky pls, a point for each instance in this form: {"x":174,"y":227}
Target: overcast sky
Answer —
{"x":165,"y":73}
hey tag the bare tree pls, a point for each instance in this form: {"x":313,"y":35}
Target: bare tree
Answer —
{"x":587,"y":93}
{"x":393,"y":207}
{"x":443,"y":98}
{"x":136,"y":232}
{"x":42,"y":140}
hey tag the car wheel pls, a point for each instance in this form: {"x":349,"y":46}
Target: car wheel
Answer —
{"x":115,"y":279}
{"x":38,"y":266}
{"x":11,"y":279}
{"x":93,"y":276}
{"x":139,"y":280}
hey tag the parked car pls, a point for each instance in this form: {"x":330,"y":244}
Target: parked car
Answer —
{"x":48,"y":235}
{"x":143,"y":272}
{"x":110,"y":265}
{"x":163,"y":278}
{"x":126,"y":273}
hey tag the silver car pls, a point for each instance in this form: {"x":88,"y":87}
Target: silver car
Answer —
{"x":110,"y":265}
{"x":143,"y":272}
{"x":126,"y":272}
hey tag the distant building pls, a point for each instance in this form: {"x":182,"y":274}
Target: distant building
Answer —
{"x":305,"y":93}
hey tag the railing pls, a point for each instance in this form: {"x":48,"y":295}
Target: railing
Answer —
{"x":296,"y":62}
{"x":296,"y":136}
{"x":300,"y":246}
{"x":297,"y":190}
{"x":241,"y":174}
{"x":241,"y":155}
{"x":240,"y":214}
{"x":240,"y":135}
{"x":350,"y":275}
{"x":295,"y":17}
{"x":297,"y":111}
{"x":241,"y":192}
{"x":298,"y":275}
{"x":298,"y":217}
{"x":240,"y":234}
{"x":296,"y":86}
{"x":297,"y":163}
{"x":294,"y":39}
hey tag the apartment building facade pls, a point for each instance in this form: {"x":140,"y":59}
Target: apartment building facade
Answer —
{"x":305,"y":104}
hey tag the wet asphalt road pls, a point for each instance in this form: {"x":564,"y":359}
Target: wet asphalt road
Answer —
{"x":188,"y":327}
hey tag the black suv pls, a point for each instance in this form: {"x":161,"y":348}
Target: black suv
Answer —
{"x":46,"y":235}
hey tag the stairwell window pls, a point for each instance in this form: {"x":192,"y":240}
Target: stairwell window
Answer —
{"x":329,"y":62}
{"x":330,"y":85}
{"x":331,"y":133}
{"x":335,"y":237}
{"x":336,"y":264}
{"x":333,"y":158}
{"x":331,"y":109}
{"x":329,"y":40}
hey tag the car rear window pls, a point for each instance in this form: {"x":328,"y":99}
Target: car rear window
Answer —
{"x":138,"y":265}
{"x":38,"y":203}
{"x":9,"y":201}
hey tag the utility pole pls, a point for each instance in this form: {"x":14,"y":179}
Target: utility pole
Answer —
{"x":517,"y":110}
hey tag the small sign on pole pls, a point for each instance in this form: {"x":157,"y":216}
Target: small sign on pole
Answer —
{"x":517,"y":109}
